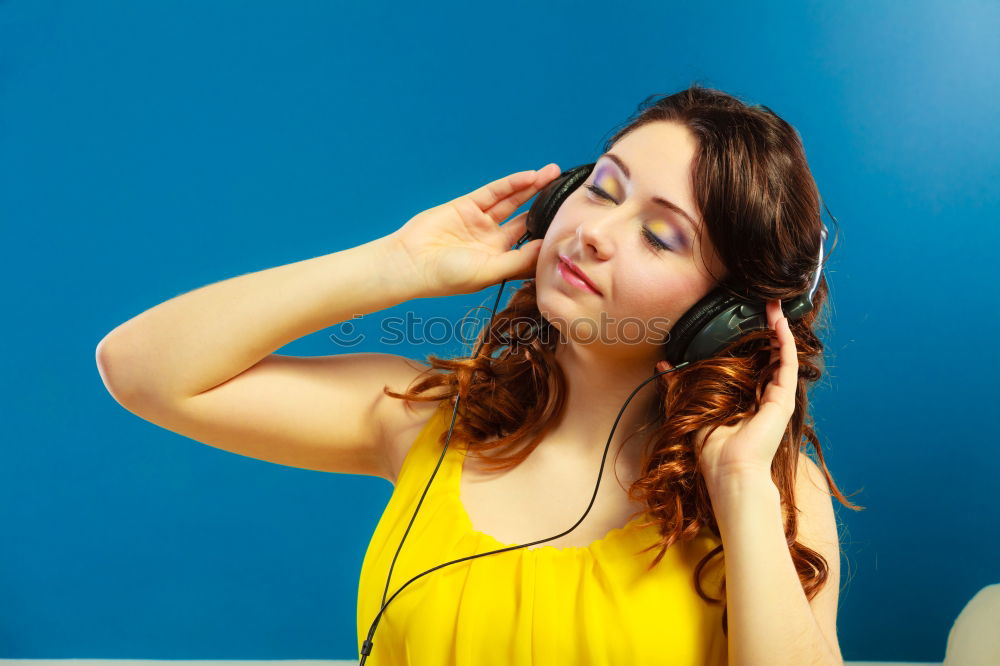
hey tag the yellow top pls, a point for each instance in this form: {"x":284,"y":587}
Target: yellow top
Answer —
{"x":592,"y":605}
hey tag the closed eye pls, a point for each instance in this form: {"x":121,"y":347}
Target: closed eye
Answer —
{"x":651,"y":239}
{"x":599,"y":192}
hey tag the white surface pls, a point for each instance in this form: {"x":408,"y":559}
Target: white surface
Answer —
{"x":974,"y":639}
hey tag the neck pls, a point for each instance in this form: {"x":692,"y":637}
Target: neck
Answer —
{"x":598,"y":385}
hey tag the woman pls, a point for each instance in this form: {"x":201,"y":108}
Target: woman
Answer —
{"x":715,"y":493}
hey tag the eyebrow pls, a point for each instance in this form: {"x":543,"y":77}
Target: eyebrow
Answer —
{"x":657,"y":200}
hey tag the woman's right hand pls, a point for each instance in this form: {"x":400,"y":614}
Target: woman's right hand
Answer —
{"x":460,"y":246}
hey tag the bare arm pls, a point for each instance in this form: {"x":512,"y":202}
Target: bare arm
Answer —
{"x":202,"y":338}
{"x":202,"y":364}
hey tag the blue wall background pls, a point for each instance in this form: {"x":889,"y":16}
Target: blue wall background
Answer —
{"x":147,"y":149}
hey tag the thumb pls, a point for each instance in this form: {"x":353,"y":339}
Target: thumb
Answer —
{"x":519,"y":264}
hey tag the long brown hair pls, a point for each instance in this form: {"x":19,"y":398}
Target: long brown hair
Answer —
{"x":761,"y":209}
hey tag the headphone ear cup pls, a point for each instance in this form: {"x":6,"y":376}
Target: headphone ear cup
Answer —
{"x":691,"y":324}
{"x":551,"y":197}
{"x":715,"y":321}
{"x":720,"y":318}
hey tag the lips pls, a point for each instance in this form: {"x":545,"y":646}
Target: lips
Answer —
{"x":574,"y":271}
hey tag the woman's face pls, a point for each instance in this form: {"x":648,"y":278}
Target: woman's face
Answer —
{"x":643,"y":257}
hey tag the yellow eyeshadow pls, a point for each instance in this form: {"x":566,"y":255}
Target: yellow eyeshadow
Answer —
{"x":610,"y":185}
{"x":659,"y":227}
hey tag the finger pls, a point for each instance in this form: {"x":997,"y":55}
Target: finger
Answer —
{"x":780,"y":391}
{"x":519,"y":264}
{"x":490,"y":194}
{"x":514,"y":228}
{"x":487,"y":196}
{"x":502,"y":209}
{"x":502,"y":197}
{"x":788,"y":373}
{"x":774,"y":315}
{"x":770,"y":421}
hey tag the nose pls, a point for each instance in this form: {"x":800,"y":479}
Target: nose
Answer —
{"x":596,"y":233}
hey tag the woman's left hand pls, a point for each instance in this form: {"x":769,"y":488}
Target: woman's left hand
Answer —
{"x":748,"y":447}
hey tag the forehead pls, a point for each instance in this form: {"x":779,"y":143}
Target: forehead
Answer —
{"x":658,"y":159}
{"x":660,"y":153}
{"x":660,"y":156}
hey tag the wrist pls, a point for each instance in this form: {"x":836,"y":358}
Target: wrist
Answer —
{"x":397,"y":273}
{"x":739,"y":492}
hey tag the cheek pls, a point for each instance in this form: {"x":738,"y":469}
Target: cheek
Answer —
{"x":555,"y":237}
{"x":660,"y":295}
{"x":545,"y":266}
{"x":560,"y":226}
{"x":547,"y":258}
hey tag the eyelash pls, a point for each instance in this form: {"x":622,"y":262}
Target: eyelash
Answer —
{"x":652,"y":241}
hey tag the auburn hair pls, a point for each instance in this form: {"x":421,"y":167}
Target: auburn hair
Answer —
{"x":761,"y":209}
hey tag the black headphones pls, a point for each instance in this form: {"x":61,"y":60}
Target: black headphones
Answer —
{"x":718,"y":319}
{"x":705,"y":329}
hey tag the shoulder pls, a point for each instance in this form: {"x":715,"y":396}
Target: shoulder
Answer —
{"x":817,"y":521}
{"x":400,"y":421}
